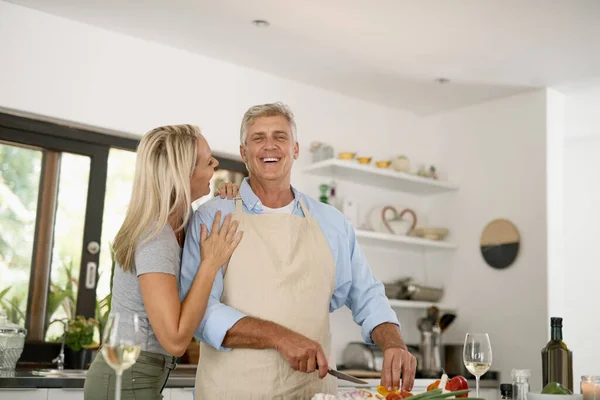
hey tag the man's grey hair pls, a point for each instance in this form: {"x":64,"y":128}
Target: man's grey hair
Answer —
{"x":266,"y":110}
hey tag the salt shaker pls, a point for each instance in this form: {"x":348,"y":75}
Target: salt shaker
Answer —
{"x":520,"y":385}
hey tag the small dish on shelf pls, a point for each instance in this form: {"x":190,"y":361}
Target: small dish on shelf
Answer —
{"x":346,"y":155}
{"x":364,"y":160}
{"x":431,"y":233}
{"x":382,"y":164}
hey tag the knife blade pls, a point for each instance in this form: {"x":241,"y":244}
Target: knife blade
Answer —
{"x":346,"y":377}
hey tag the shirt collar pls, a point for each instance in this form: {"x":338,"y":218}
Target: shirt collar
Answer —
{"x":252,"y":201}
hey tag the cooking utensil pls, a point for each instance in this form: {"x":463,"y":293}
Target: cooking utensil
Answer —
{"x":430,"y":346}
{"x":405,"y":289}
{"x":453,"y":360}
{"x":358,"y":355}
{"x":350,"y":378}
{"x":446,"y":320}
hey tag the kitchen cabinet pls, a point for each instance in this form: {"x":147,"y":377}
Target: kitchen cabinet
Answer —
{"x":181,"y":393}
{"x":24,"y":394}
{"x":65,"y":394}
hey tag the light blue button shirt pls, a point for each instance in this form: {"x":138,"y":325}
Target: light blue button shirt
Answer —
{"x":355,"y":285}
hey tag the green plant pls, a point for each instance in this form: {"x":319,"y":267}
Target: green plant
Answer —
{"x":63,"y":296}
{"x":12,"y":306}
{"x":82,"y":333}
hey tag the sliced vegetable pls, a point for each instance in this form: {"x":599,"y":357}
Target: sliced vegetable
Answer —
{"x":393,"y":396}
{"x":454,"y":384}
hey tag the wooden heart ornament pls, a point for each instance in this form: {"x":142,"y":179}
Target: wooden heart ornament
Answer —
{"x":397,"y":225}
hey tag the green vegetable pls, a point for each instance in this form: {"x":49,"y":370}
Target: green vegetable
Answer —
{"x":428,"y":394}
{"x":555,"y":388}
{"x":449,"y":394}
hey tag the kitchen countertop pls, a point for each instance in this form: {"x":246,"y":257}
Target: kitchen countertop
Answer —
{"x":180,"y":377}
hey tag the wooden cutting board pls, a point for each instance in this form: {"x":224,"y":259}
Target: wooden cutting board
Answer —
{"x":362,"y":373}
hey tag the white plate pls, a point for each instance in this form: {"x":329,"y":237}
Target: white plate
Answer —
{"x":540,"y":396}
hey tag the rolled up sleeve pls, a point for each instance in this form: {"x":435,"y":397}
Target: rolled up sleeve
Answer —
{"x":219,"y":318}
{"x":366,"y":297}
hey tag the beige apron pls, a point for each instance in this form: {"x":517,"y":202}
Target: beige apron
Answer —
{"x":282,"y":271}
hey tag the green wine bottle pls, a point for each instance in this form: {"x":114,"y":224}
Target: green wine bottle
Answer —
{"x":557,"y":359}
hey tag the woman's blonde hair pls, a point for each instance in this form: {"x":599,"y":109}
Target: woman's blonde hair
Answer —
{"x":166,"y":158}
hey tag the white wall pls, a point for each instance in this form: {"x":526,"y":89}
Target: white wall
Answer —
{"x":555,"y":202}
{"x":581,"y":228}
{"x":496,"y":152}
{"x":61,"y":69}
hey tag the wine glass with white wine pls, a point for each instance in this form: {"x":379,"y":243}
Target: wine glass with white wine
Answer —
{"x":477,"y":355}
{"x":122,"y":344}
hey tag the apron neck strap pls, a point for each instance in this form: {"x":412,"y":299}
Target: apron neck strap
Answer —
{"x":304,"y":208}
{"x":238,"y":204}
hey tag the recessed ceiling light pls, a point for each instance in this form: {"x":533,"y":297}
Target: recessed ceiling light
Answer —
{"x":442,"y":80}
{"x":261,"y":23}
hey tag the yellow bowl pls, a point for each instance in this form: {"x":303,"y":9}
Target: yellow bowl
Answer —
{"x":383,"y":164}
{"x":346,"y":156}
{"x":364,"y":160}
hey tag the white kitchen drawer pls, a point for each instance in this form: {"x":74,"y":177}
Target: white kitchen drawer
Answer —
{"x":65,"y":394}
{"x":184,"y":393}
{"x":23,"y":394}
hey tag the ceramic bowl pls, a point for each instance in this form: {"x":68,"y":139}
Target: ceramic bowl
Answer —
{"x":383,"y":164}
{"x":364,"y":160}
{"x":346,"y":156}
{"x":431,"y":233}
{"x":540,"y":396}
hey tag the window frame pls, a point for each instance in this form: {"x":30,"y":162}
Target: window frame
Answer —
{"x":63,"y":137}
{"x":50,"y":138}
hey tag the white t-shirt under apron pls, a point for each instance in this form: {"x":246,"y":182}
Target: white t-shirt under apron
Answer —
{"x":281,"y":210}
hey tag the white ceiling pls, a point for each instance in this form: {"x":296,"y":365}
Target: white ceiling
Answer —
{"x":384,"y":51}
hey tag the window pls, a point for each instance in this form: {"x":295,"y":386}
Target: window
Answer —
{"x":20,"y":169}
{"x":63,"y":196}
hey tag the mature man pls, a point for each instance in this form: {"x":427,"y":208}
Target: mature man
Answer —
{"x":266,"y":331}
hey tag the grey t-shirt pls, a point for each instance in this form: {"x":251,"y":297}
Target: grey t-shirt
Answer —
{"x":161,"y":254}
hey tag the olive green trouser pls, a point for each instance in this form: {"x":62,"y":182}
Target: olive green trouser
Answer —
{"x":144,"y":380}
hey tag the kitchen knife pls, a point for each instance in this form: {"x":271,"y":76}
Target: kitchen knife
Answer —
{"x":341,"y":375}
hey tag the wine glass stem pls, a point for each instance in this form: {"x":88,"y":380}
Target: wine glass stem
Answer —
{"x":118,"y":386}
{"x":477,"y":385}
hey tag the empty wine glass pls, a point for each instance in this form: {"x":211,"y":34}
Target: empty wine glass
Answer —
{"x":122,"y":344}
{"x":477,"y":355}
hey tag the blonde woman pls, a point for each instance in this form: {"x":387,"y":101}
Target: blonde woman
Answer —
{"x":173,"y":168}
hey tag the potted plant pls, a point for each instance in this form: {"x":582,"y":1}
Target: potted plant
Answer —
{"x":82,"y":337}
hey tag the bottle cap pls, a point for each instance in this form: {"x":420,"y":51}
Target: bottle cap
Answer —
{"x":506,"y":390}
{"x":520,"y":373}
{"x":556,"y":322}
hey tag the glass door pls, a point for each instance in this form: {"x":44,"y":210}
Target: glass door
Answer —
{"x":51,"y":234}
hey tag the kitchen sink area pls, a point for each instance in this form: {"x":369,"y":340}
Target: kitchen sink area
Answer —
{"x":64,"y":373}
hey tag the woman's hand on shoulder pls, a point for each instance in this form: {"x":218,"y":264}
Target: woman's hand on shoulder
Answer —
{"x":217,"y":248}
{"x":227,"y":189}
